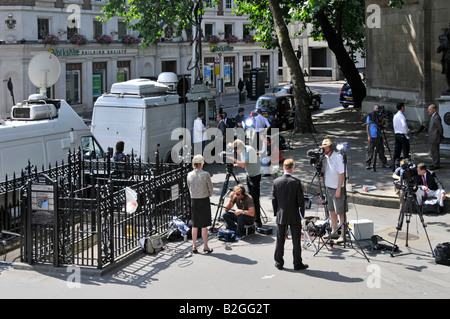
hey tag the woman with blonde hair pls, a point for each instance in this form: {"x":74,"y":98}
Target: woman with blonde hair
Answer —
{"x":200,"y":188}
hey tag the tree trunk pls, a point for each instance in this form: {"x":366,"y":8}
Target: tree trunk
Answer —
{"x":336,"y":44}
{"x":303,"y":113}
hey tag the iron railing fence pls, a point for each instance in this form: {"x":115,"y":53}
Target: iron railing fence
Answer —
{"x":90,"y":225}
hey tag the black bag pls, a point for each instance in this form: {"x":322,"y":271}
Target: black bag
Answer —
{"x":442,"y":254}
{"x":226,"y":235}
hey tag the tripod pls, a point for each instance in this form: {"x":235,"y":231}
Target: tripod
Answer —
{"x":224,"y":193}
{"x":381,"y":139}
{"x":409,"y":206}
{"x":344,"y":225}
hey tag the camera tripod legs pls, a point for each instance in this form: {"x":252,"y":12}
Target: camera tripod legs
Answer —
{"x":409,"y":206}
{"x":346,"y":230}
{"x":223,"y":195}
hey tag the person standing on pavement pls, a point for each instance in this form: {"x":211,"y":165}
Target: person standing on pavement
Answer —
{"x":288,"y":204}
{"x":261,"y":126}
{"x":373,"y":129}
{"x":248,"y":158}
{"x":435,"y":136}
{"x":401,"y":131}
{"x":198,"y":137}
{"x":334,"y":172}
{"x":200,"y":189}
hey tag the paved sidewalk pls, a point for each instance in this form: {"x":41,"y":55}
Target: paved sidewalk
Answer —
{"x":245,"y":269}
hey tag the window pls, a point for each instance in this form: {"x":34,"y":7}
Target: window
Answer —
{"x":71,"y":32}
{"x":228,"y":30}
{"x":247,"y":65}
{"x":318,"y":57}
{"x":228,"y":71}
{"x":73,"y":83}
{"x":98,"y":29}
{"x":228,"y":4}
{"x":43,"y":27}
{"x":209,"y":30}
{"x":265,"y":64}
{"x":123,"y":71}
{"x":98,"y":79}
{"x":121,"y":29}
{"x":169,"y":66}
{"x":245,"y":30}
{"x":91,"y":149}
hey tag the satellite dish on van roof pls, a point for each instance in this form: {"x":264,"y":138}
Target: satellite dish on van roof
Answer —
{"x":44,"y":70}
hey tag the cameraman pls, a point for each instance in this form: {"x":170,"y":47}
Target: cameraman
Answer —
{"x":249,"y":160}
{"x":334,"y":171}
{"x":428,"y":185}
{"x":374,"y":125}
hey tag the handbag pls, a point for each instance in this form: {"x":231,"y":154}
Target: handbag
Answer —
{"x":152,"y":244}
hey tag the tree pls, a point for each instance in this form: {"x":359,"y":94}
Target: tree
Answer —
{"x":303,"y":114}
{"x":270,"y":18}
{"x":341,"y":23}
{"x":150,"y":16}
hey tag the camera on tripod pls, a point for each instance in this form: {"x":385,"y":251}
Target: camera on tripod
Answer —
{"x":316,"y":157}
{"x":227,"y":156}
{"x":381,"y":116}
{"x":408,"y":172}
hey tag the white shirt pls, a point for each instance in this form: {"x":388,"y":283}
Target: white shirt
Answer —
{"x":198,"y":131}
{"x":261,"y":122}
{"x":333,"y":167}
{"x":400,"y":126}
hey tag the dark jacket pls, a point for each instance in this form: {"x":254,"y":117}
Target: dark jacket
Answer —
{"x":287,"y":197}
{"x":433,"y":182}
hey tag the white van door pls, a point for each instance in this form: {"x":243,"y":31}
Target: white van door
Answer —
{"x":113,"y":124}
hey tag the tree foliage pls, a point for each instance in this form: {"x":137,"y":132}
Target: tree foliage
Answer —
{"x":149,"y":17}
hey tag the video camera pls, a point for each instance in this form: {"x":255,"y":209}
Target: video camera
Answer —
{"x":316,"y":157}
{"x":381,"y":116}
{"x":408,"y":172}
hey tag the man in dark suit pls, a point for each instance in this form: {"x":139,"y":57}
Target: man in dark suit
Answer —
{"x":429,"y":185}
{"x":287,"y":199}
{"x":435,"y":136}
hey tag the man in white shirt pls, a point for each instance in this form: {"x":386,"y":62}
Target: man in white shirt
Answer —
{"x":334,"y":171}
{"x":199,"y":134}
{"x":261,"y":126}
{"x":401,"y":131}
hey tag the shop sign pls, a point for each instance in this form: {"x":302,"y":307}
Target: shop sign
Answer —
{"x":75,"y":52}
{"x":221,"y":48}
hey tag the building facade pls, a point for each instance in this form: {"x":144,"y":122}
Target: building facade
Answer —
{"x":89,"y":69}
{"x":403,"y":64}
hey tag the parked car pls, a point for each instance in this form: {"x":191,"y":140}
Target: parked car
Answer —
{"x":314,"y":97}
{"x":279,"y":108}
{"x":346,"y":95}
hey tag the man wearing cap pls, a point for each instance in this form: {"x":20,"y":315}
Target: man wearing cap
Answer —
{"x":334,"y":171}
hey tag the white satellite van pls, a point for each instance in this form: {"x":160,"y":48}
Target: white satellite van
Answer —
{"x":41,"y":131}
{"x":144,"y":114}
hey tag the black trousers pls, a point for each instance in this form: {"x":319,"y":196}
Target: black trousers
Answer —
{"x":253,"y":183}
{"x":296,"y":232}
{"x":401,"y":146}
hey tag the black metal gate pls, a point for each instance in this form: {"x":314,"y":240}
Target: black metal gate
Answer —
{"x":76,"y":213}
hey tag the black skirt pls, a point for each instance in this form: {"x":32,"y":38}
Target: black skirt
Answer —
{"x":201,"y":212}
